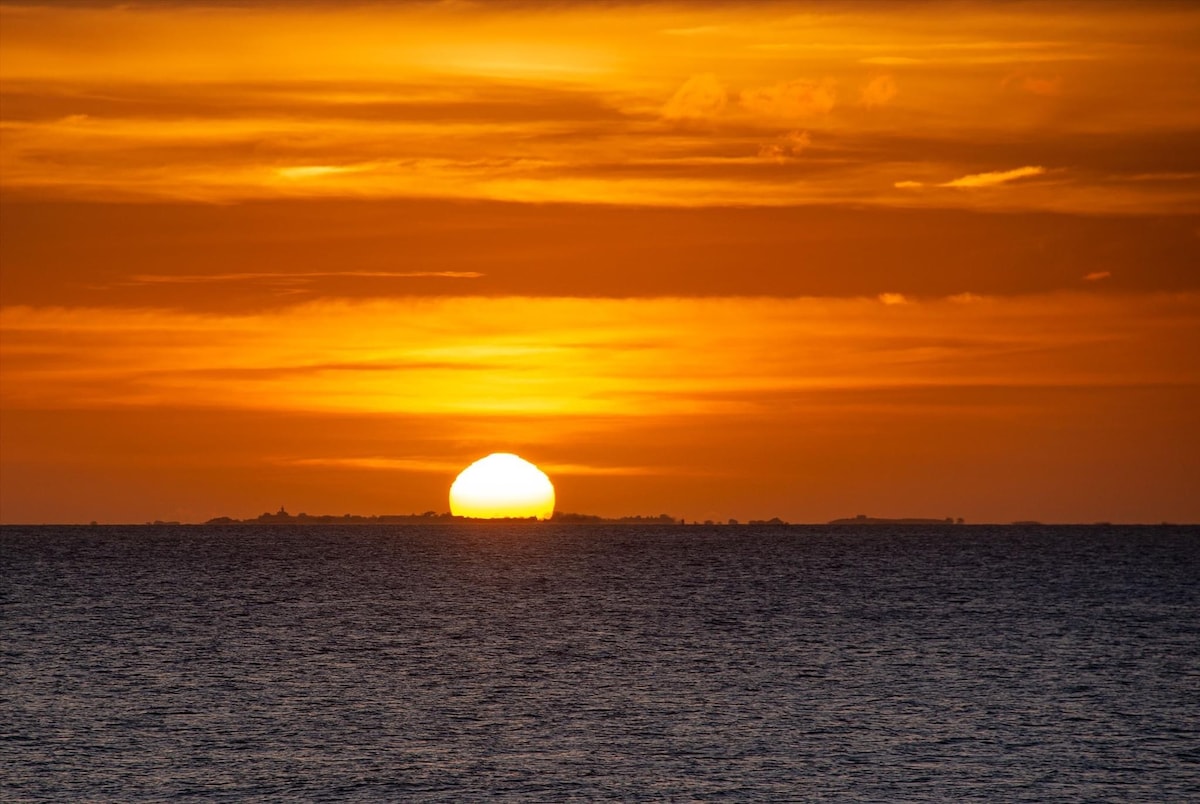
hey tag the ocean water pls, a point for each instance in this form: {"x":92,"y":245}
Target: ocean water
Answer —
{"x":539,"y":662}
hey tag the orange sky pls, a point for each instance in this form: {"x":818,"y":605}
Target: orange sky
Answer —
{"x":802,"y":260}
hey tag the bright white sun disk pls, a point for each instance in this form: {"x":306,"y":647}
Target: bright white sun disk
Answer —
{"x":502,"y":485}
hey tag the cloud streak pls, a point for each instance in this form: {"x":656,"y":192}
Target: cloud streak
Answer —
{"x":994,"y":178}
{"x":444,"y":467}
{"x":291,"y":277}
{"x":978,"y":180}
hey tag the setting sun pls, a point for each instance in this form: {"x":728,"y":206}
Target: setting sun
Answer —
{"x":500,"y":486}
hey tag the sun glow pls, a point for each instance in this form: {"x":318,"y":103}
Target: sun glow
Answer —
{"x":502,"y":485}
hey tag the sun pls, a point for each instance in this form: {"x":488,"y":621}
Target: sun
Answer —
{"x":502,"y":485}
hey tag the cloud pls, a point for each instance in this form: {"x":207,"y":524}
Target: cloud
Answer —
{"x":439,"y":466}
{"x":1160,"y":176}
{"x":891,"y":61}
{"x":701,"y":97}
{"x":316,"y":171}
{"x":977,"y":180}
{"x":294,"y":277}
{"x":607,"y":471}
{"x":698,"y":30}
{"x":788,"y":146}
{"x":792,"y":99}
{"x":995,"y":177}
{"x":879,"y":91}
{"x":892,"y":299}
{"x":1096,"y":276}
{"x":308,"y":112}
{"x":388,"y":464}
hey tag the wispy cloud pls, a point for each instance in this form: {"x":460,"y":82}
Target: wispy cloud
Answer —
{"x":792,"y":99}
{"x":374,"y":462}
{"x":699,"y":30}
{"x":787,"y":147}
{"x":993,"y":178}
{"x":442,"y":466}
{"x":700,"y":98}
{"x":316,"y":171}
{"x":1096,"y":276}
{"x":586,"y":470}
{"x":286,"y":277}
{"x":891,"y":61}
{"x":977,"y":180}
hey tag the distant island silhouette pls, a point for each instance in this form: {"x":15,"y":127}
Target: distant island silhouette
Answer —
{"x":282,"y":517}
{"x":863,"y":519}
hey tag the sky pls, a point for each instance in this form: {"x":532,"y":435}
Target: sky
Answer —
{"x":745,"y":260}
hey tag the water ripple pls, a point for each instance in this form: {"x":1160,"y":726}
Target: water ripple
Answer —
{"x":537,"y":662}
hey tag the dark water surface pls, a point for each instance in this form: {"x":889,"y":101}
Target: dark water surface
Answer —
{"x":548,"y":663}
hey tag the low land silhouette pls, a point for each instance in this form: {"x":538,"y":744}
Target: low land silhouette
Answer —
{"x":282,"y":517}
{"x":863,"y":519}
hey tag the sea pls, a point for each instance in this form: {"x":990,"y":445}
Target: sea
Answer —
{"x":542,"y":662}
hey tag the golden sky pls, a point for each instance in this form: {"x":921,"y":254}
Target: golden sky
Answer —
{"x":804,"y":260}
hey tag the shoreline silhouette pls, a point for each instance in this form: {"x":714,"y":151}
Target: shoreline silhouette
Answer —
{"x":282,"y":517}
